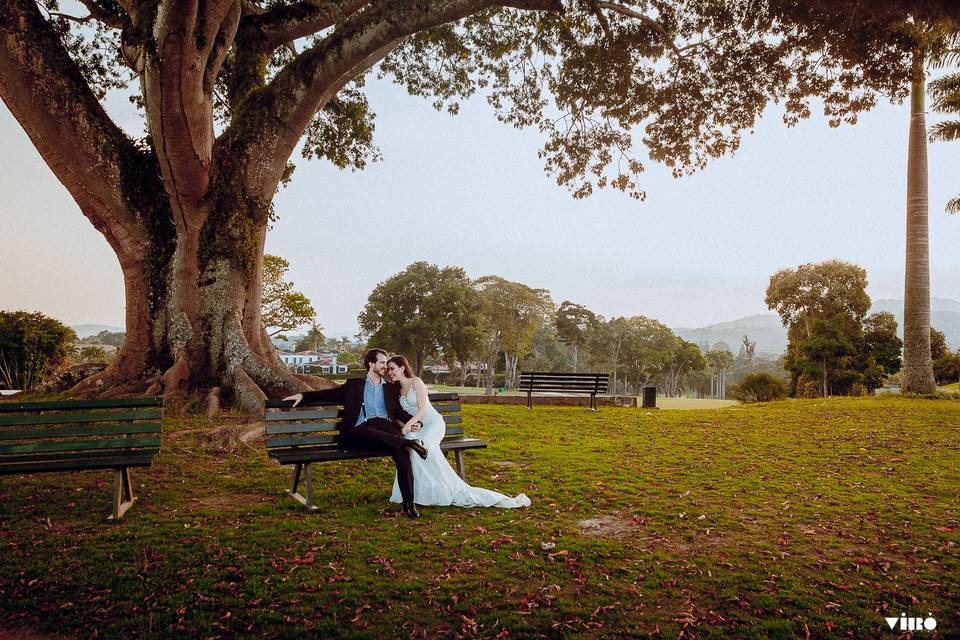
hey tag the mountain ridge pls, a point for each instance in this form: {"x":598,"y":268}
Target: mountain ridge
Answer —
{"x":771,"y":336}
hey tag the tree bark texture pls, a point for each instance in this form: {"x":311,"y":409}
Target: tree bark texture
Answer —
{"x":917,"y":372}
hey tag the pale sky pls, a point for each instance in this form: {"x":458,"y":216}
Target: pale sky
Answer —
{"x":471,"y":192}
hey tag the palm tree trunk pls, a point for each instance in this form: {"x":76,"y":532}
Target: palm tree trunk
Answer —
{"x":917,"y":374}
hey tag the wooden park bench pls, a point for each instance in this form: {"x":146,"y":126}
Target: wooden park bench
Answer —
{"x":75,"y":435}
{"x":309,"y":434}
{"x":592,"y":383}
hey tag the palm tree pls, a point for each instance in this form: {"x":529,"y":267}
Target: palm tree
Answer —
{"x":720,"y":360}
{"x":917,"y":373}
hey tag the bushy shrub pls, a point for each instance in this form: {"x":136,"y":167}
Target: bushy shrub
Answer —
{"x":808,"y":387}
{"x":759,"y":387}
{"x":31,"y":345}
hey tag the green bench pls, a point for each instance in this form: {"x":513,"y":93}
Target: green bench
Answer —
{"x":76,"y":435}
{"x":303,"y":436}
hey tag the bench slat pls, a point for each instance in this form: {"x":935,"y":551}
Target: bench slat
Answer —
{"x":570,"y":383}
{"x":447,"y":408}
{"x":85,"y":430}
{"x":320,"y":454}
{"x":286,"y":416}
{"x":8,"y":407}
{"x":561,"y":374}
{"x":462,"y":443}
{"x":571,"y":380}
{"x":538,"y":384}
{"x":79,"y":445}
{"x":103,"y":460}
{"x":453,"y":419}
{"x":302,"y":441}
{"x":563,"y":389}
{"x":444,"y":397}
{"x":65,"y":418}
{"x":310,"y":427}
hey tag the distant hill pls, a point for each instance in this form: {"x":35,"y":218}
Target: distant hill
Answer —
{"x":944,"y":316}
{"x":763,"y":328}
{"x":87,"y":330}
{"x":771,"y":335}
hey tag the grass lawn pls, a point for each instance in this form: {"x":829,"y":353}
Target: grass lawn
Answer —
{"x":663,"y":402}
{"x":765,"y":521}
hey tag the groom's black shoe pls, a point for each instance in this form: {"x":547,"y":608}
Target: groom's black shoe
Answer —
{"x":410,"y":510}
{"x":417,"y":445}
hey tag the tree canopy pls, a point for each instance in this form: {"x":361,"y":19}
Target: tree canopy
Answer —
{"x":282,"y":308}
{"x":421,"y":310}
{"x":228,"y":89}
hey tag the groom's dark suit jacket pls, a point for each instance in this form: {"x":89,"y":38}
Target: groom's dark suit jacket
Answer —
{"x":350,"y":395}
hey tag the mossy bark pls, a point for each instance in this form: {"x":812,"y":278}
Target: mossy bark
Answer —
{"x":204,"y":331}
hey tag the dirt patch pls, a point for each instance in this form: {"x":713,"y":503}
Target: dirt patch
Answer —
{"x":234,"y":501}
{"x":609,"y":526}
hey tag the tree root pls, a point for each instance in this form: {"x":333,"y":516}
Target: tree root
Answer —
{"x":248,"y":396}
{"x":229,"y":438}
{"x":213,"y":402}
{"x":176,"y":378}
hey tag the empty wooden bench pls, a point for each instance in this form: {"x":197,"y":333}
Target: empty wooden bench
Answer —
{"x":76,"y":435}
{"x":587,"y":383}
{"x":309,"y":434}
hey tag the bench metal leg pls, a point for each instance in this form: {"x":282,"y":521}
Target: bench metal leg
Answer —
{"x":296,"y":478}
{"x":461,"y":468}
{"x":593,"y":402}
{"x":529,"y":400}
{"x":123,"y":497}
{"x":306,"y":500}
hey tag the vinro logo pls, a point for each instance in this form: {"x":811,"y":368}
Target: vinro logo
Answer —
{"x":905,"y":623}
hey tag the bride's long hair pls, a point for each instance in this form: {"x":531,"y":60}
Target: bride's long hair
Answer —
{"x":401,"y":361}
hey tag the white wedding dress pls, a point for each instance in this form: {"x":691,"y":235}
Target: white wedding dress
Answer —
{"x":435,"y":483}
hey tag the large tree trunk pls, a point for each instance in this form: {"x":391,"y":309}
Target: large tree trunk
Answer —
{"x":196,"y":325}
{"x":917,"y":376}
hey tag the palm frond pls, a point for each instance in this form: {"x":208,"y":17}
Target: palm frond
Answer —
{"x":942,"y":60}
{"x":947,"y":131}
{"x":945,"y":93}
{"x":954,"y":205}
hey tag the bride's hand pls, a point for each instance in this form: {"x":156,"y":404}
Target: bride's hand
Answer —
{"x":412,"y":425}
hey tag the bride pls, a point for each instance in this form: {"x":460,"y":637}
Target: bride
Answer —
{"x":434,"y":480}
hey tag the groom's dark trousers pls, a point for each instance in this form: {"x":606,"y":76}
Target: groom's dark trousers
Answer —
{"x":380,"y":435}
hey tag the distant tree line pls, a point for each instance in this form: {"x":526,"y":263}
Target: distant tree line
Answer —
{"x":496,"y":328}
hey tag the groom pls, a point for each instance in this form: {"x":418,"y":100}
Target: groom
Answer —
{"x":370,"y":407}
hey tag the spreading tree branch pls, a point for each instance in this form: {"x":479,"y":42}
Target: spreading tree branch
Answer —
{"x":106,"y":15}
{"x":307,"y":83}
{"x":191,"y":43}
{"x":285,"y":23}
{"x":647,"y":20}
{"x":66,"y":123}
